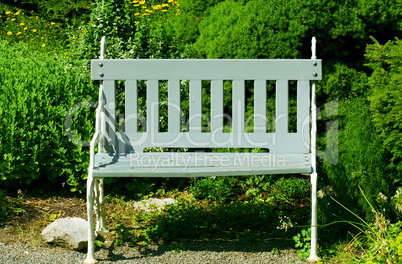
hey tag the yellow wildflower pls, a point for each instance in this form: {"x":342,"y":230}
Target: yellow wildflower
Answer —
{"x":52,"y":23}
{"x":144,"y":7}
{"x":8,"y":12}
{"x":25,"y":28}
{"x":9,"y":33}
{"x":21,"y":24}
{"x":34,"y":30}
{"x":43,"y":45}
{"x":142,"y":2}
{"x":19,"y":33}
{"x":137,"y":14}
{"x":12,"y":19}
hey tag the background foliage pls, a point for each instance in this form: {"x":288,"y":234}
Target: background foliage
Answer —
{"x":36,"y":93}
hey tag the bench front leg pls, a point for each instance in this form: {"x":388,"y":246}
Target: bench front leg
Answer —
{"x":100,"y":207}
{"x":91,"y":231}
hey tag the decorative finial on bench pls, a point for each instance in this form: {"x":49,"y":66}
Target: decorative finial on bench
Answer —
{"x":103,"y":48}
{"x":313,"y":42}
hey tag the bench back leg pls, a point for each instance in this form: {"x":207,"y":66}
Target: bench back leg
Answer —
{"x":313,"y":250}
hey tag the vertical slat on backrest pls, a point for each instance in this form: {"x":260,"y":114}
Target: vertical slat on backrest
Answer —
{"x":131,"y":106}
{"x":195,"y":105}
{"x":109,"y":125}
{"x":152,"y":106}
{"x":174,"y":109}
{"x":217,"y":106}
{"x":238,"y":106}
{"x":260,"y":106}
{"x":282,"y":106}
{"x":303,"y":109}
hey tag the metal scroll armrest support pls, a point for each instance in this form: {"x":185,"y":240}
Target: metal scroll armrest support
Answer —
{"x":98,"y":129}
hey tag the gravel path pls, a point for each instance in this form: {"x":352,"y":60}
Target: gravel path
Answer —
{"x":190,"y":252}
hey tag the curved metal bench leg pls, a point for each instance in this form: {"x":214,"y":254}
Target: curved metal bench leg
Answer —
{"x":100,"y":207}
{"x":313,"y":251}
{"x":91,"y":232}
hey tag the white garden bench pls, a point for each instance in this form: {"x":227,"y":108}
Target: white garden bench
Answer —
{"x":121,"y":154}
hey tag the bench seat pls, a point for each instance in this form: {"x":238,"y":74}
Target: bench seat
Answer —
{"x":197,"y":164}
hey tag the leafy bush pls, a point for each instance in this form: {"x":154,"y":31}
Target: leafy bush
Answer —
{"x":342,"y":82}
{"x":344,"y":27}
{"x":184,"y":27}
{"x":133,"y":29}
{"x":290,"y":190}
{"x":188,"y":219}
{"x":216,"y":189}
{"x":362,"y":162}
{"x":36,"y":93}
{"x":385,"y":96}
{"x":273,"y":31}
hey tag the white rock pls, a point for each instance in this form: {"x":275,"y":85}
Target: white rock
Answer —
{"x":70,"y":232}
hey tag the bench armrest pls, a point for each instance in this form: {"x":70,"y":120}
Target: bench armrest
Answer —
{"x":98,"y":128}
{"x":94,"y":140}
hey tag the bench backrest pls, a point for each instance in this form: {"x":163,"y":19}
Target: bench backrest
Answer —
{"x":239,"y":72}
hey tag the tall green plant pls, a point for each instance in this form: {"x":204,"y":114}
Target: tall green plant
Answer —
{"x":255,"y":29}
{"x":362,"y":162}
{"x":385,"y":96}
{"x":36,"y":93}
{"x":133,"y":29}
{"x":377,"y":241}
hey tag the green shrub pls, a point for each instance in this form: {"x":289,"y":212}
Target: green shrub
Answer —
{"x":385,"y":96}
{"x":217,"y":189}
{"x":133,"y":29}
{"x":344,"y":27}
{"x":185,"y":220}
{"x":342,"y":82}
{"x":36,"y":93}
{"x":293,"y":191}
{"x":184,"y":27}
{"x":362,"y":162}
{"x":255,"y":29}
